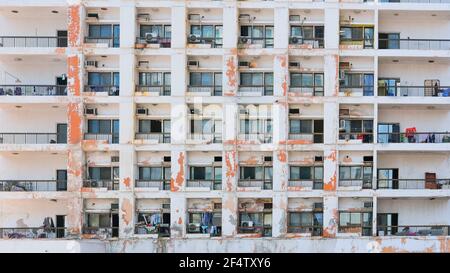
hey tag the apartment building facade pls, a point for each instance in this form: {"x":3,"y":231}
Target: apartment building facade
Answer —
{"x":225,"y":126}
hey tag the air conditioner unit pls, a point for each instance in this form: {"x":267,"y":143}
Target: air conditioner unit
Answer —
{"x":217,"y":206}
{"x":144,"y":16}
{"x":244,"y":64}
{"x":194,"y":17}
{"x":294,"y":111}
{"x":142,"y":64}
{"x":115,"y":158}
{"x":114,"y":206}
{"x":244,"y":17}
{"x":167,"y":159}
{"x":192,"y":64}
{"x":150,"y":36}
{"x":90,"y":111}
{"x":318,"y":159}
{"x":91,"y":63}
{"x":142,"y":111}
{"x":92,"y":15}
{"x":243,"y":40}
{"x":294,"y":18}
{"x":294,"y":64}
{"x":295,"y":40}
{"x":318,"y":206}
{"x":367,"y":158}
{"x":217,"y":159}
{"x":267,"y":205}
{"x":344,"y":112}
{"x":247,"y":224}
{"x":267,"y":159}
{"x":244,"y":111}
{"x":165,"y":206}
{"x":195,"y":111}
{"x":194,"y":38}
{"x":368,"y":204}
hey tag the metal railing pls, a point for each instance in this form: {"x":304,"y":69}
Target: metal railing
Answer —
{"x":163,"y":230}
{"x":265,"y":231}
{"x":103,"y":232}
{"x":161,"y":137}
{"x":257,"y":137}
{"x":214,"y":42}
{"x":162,"y":185}
{"x":110,"y":138}
{"x":428,"y":44}
{"x":263,"y":90}
{"x":414,"y":230}
{"x":362,"y":183}
{"x":33,"y":185}
{"x":213,"y":90}
{"x":422,"y":137}
{"x":313,"y":230}
{"x":264,"y":42}
{"x":111,"y":42}
{"x":307,"y":137}
{"x":364,"y":137}
{"x":31,"y":138}
{"x":112,"y":90}
{"x":365,"y":90}
{"x":33,"y":233}
{"x":313,"y":42}
{"x":307,"y":90}
{"x":414,"y":91}
{"x":363,"y":230}
{"x":263,"y":184}
{"x":211,"y":184}
{"x":111,"y":185}
{"x":306,"y":183}
{"x":212,"y":137}
{"x":32,"y":41}
{"x":408,"y":184}
{"x":197,"y":228}
{"x":33,"y":90}
{"x":162,"y":41}
{"x":162,"y":90}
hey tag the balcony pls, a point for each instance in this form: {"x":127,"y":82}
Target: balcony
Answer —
{"x":111,"y":90}
{"x":33,"y":233}
{"x":312,"y":230}
{"x":161,"y":90}
{"x":429,"y":137}
{"x":108,"y":138}
{"x":255,"y":183}
{"x":215,"y":185}
{"x":153,"y":42}
{"x":413,"y":184}
{"x":207,"y":90}
{"x":256,"y":137}
{"x":307,"y":90}
{"x":308,"y":43}
{"x":355,"y":183}
{"x":255,"y":42}
{"x":361,"y":137}
{"x":306,"y":183}
{"x":33,"y":90}
{"x":413,"y":230}
{"x":206,"y":137}
{"x":101,"y":232}
{"x":32,"y":41}
{"x":162,"y":230}
{"x":207,"y":42}
{"x":256,"y":90}
{"x":361,"y":90}
{"x":33,"y":185}
{"x":154,"y":137}
{"x":414,"y":91}
{"x":105,"y":42}
{"x":162,"y":185}
{"x":414,"y":44}
{"x":307,"y":138}
{"x":33,"y":138}
{"x":110,"y":185}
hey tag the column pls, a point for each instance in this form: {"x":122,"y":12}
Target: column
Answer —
{"x":127,"y":24}
{"x":178,"y":216}
{"x":330,"y":216}
{"x":281,"y":27}
{"x":374,"y":215}
{"x":179,"y":25}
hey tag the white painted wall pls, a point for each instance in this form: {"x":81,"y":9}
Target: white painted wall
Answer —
{"x":29,"y":165}
{"x":199,"y":158}
{"x":151,"y":204}
{"x":45,"y":118}
{"x":151,"y":158}
{"x":415,"y":72}
{"x":302,"y":204}
{"x":26,"y":21}
{"x":352,"y":203}
{"x":424,"y":120}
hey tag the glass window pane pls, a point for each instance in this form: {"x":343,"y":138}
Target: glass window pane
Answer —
{"x":305,"y":173}
{"x":295,"y":31}
{"x":195,"y":78}
{"x":356,"y":172}
{"x":208,"y":31}
{"x":294,"y":173}
{"x":307,"y":80}
{"x":294,"y":126}
{"x":296,"y":79}
{"x":258,"y":32}
{"x":308,"y":32}
{"x":268,"y":79}
{"x":207,"y":79}
{"x":306,"y":126}
{"x":246,"y":79}
{"x":344,"y":173}
{"x":257,"y":79}
{"x":196,"y":30}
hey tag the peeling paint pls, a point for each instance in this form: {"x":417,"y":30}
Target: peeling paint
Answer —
{"x":177,"y":183}
{"x":127,"y":211}
{"x":74,"y":120}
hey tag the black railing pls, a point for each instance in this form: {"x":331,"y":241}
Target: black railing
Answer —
{"x":262,"y":90}
{"x":256,"y":183}
{"x":409,"y":184}
{"x":212,"y":137}
{"x":256,"y":137}
{"x":162,"y":41}
{"x":162,"y":90}
{"x":160,"y":137}
{"x":264,"y":42}
{"x":112,"y":90}
{"x":111,"y":185}
{"x":264,"y":231}
{"x":307,"y":137}
{"x":307,"y":90}
{"x":110,"y":138}
{"x":214,"y":42}
{"x":362,"y":183}
{"x":310,"y":42}
{"x":162,"y":185}
{"x":33,"y":138}
{"x":33,"y":185}
{"x":363,"y":137}
{"x":163,"y":230}
{"x":111,"y":42}
{"x":213,"y":90}
{"x":33,"y":90}
{"x":422,"y":137}
{"x":211,"y":184}
{"x":33,"y":232}
{"x":102,"y":232}
{"x":306,"y":183}
{"x":414,"y":230}
{"x":313,"y":230}
{"x":428,"y":44}
{"x":414,"y":91}
{"x":30,"y":41}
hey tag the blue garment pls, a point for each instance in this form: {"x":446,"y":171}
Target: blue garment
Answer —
{"x":155,"y":219}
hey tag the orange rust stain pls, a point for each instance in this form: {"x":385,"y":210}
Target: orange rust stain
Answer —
{"x":84,"y":189}
{"x":232,"y":166}
{"x":331,"y":185}
{"x":254,"y":235}
{"x":284,"y":86}
{"x":282,"y":156}
{"x":444,"y":244}
{"x":180,"y":221}
{"x":251,"y":161}
{"x":295,"y":142}
{"x":428,"y":250}
{"x":283,"y":60}
{"x":90,"y":144}
{"x":73,"y":28}
{"x":60,"y":50}
{"x":126,"y":211}
{"x":336,"y":78}
{"x":74,"y":118}
{"x":177,"y":183}
{"x":231,"y":71}
{"x":332,"y":156}
{"x":127,"y":182}
{"x":73,"y":165}
{"x":391,"y":249}
{"x":73,"y":84}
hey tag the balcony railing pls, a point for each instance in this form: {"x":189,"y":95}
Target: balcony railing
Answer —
{"x":111,"y":185}
{"x":410,"y":184}
{"x":211,"y":184}
{"x":197,"y":228}
{"x":33,"y":233}
{"x":32,"y":41}
{"x":313,"y":230}
{"x":104,"y":232}
{"x":255,"y":183}
{"x":214,"y":42}
{"x":215,"y":90}
{"x":263,"y":42}
{"x":32,"y":138}
{"x":212,"y":137}
{"x":163,"y":230}
{"x":111,"y":42}
{"x":414,"y":91}
{"x":110,"y":138}
{"x":163,"y":42}
{"x":160,"y":137}
{"x":311,"y":42}
{"x":162,"y":90}
{"x":33,"y":185}
{"x":306,"y":183}
{"x":413,"y":230}
{"x":427,"y":44}
{"x":162,"y":185}
{"x":428,"y":137}
{"x":33,"y":90}
{"x":361,"y":183}
{"x":265,"y":231}
{"x":365,"y":90}
{"x":257,"y":137}
{"x":360,"y":137}
{"x":307,"y":90}
{"x":112,"y":90}
{"x":363,"y":230}
{"x":261,"y":90}
{"x":307,"y":137}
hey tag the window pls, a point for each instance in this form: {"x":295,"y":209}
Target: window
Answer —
{"x":100,"y":126}
{"x":255,"y":126}
{"x":201,"y":78}
{"x":201,"y":173}
{"x":154,"y":78}
{"x":352,"y":33}
{"x":163,"y":31}
{"x":256,"y":173}
{"x":259,"y":34}
{"x":150,"y":173}
{"x":350,"y":219}
{"x":298,"y":126}
{"x":350,"y":173}
{"x":100,"y":31}
{"x":100,"y":78}
{"x":207,"y":31}
{"x":99,"y":220}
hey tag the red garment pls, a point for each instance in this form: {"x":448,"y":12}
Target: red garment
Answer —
{"x":409,"y":132}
